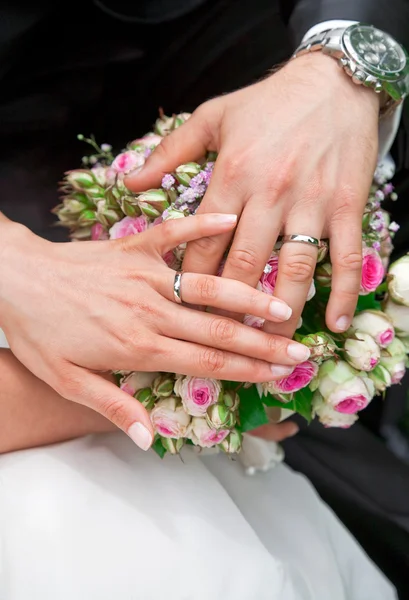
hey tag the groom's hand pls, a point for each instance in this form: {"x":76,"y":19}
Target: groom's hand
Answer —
{"x":297,"y":153}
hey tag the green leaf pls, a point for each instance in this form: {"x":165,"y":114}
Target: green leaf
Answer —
{"x":252,"y":413}
{"x":368,"y":302}
{"x":158,"y":447}
{"x":303,"y":403}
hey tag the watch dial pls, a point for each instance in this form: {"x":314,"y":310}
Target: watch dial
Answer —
{"x":377,"y":51}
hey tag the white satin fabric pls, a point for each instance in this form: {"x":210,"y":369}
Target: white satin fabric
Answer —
{"x":98,"y":519}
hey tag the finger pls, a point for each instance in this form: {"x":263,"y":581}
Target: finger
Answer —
{"x":112,"y":403}
{"x":277,"y":432}
{"x":225,"y":294}
{"x":346,"y":259}
{"x":296,"y":265}
{"x":203,"y":361}
{"x":188,"y":142}
{"x":253,"y":241}
{"x":174,"y":232}
{"x":204,"y":255}
{"x":226,"y":334}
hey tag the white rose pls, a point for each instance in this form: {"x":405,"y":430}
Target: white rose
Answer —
{"x":394,"y":358}
{"x":398,"y":285}
{"x":362,"y":353}
{"x":330,"y":417}
{"x":169,"y":418}
{"x":138,"y":380}
{"x":377,"y":324}
{"x":399,"y":315}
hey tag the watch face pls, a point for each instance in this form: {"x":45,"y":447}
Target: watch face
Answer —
{"x":374,"y":50}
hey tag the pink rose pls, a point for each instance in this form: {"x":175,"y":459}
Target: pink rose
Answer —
{"x":128,"y":226}
{"x":98,"y":232}
{"x":127,"y":161}
{"x":204,"y":436}
{"x":269,"y":276}
{"x":301,"y":376}
{"x":330,"y":417}
{"x":375,"y":323}
{"x":255,"y":322}
{"x":397,"y":372}
{"x":151,"y":140}
{"x":169,"y":418}
{"x":372,"y":271}
{"x":344,"y":388}
{"x":197,"y":394}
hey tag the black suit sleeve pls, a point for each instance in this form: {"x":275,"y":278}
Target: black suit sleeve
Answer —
{"x":390,"y":15}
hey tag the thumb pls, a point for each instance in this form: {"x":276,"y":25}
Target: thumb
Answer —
{"x":187,"y":143}
{"x":111,"y":402}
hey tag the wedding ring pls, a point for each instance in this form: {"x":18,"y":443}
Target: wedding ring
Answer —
{"x":302,"y":239}
{"x":177,"y":287}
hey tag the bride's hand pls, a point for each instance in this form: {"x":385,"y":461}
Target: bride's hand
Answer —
{"x":71,"y":310}
{"x":297,"y":154}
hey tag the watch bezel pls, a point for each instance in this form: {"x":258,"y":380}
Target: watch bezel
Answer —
{"x":352,"y":54}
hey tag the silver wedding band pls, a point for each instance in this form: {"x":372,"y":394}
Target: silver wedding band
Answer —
{"x":301,"y":239}
{"x":177,"y":287}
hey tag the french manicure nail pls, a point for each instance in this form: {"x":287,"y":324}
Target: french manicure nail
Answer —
{"x":280,"y":310}
{"x":140,"y":435}
{"x":223,"y":218}
{"x":298,"y":352}
{"x":343,"y":323}
{"x":281,"y":370}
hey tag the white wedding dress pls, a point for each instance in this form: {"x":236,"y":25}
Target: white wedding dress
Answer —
{"x":98,"y":519}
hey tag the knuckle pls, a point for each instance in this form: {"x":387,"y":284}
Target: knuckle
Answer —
{"x":114,"y":410}
{"x":350,"y":261}
{"x":68,"y":387}
{"x":212,"y":360}
{"x":222,"y":331}
{"x":207,"y":288}
{"x":300,"y":269}
{"x":272,"y":345}
{"x":244,"y":259}
{"x":169,"y":228}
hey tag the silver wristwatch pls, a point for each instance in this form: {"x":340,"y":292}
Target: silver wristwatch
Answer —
{"x":369,"y":56}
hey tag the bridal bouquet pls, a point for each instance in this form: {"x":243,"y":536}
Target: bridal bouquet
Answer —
{"x":344,"y":372}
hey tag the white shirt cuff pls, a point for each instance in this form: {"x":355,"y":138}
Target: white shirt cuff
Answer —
{"x":388,"y":126}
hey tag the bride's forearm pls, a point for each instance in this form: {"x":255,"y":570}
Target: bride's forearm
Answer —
{"x":32,"y":414}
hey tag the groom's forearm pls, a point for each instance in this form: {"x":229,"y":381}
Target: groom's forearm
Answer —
{"x":32,"y":414}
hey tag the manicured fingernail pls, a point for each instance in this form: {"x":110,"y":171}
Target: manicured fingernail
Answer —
{"x":281,"y":370}
{"x":133,"y":172}
{"x":222,"y":218}
{"x":343,"y":323}
{"x":280,"y":310}
{"x":298,"y":352}
{"x":140,"y":435}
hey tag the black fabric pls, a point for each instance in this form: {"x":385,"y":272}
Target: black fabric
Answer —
{"x":148,"y":11}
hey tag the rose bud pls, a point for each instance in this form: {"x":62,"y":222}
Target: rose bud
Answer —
{"x":87,"y":217}
{"x":381,"y":378}
{"x":301,"y":376}
{"x":129,"y":206}
{"x":164,"y":125}
{"x":204,"y":436}
{"x":169,"y":418}
{"x":394,"y":358}
{"x":197,"y":394}
{"x":399,"y":315}
{"x":330,"y":417}
{"x":321,"y":345}
{"x":173,"y":446}
{"x":137,"y":380}
{"x":150,"y":140}
{"x":343,"y":388}
{"x":146,"y":398}
{"x":163,"y":386}
{"x":398,"y":281}
{"x":153,"y":202}
{"x":128,"y":226}
{"x":128,"y":161}
{"x":80,"y":179}
{"x":82,"y":233}
{"x":185,"y":173}
{"x":377,"y":324}
{"x":361,"y":351}
{"x":322,"y":251}
{"x":372,"y":271}
{"x":232,"y":443}
{"x":323,"y":274}
{"x":219,"y":416}
{"x":231,"y":399}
